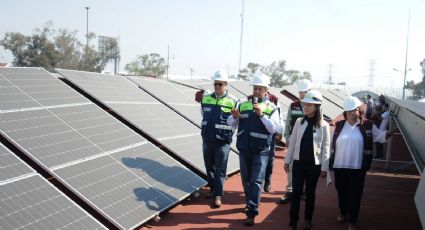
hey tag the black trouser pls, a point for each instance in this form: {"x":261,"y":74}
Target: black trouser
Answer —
{"x":349,"y":185}
{"x":300,"y":173}
{"x":379,"y":150}
{"x":270,"y":163}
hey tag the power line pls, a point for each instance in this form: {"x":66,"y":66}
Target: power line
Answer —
{"x":330,"y":77}
{"x":372,"y":63}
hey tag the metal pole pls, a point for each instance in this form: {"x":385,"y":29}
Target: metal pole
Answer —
{"x":87,"y":37}
{"x":115,"y":65}
{"x":191,"y":74}
{"x":405,"y":62}
{"x":87,"y":27}
{"x":168,"y":59}
{"x":240,"y":43}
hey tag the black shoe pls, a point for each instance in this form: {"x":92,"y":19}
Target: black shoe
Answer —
{"x":341,"y":218}
{"x":291,"y":227}
{"x":285,"y":198}
{"x":216,"y":202}
{"x":249,"y":221}
{"x":307,"y":224}
{"x":267,"y":186}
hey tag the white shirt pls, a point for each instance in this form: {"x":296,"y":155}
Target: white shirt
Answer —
{"x":350,"y":146}
{"x":385,"y":121}
{"x":280,"y":128}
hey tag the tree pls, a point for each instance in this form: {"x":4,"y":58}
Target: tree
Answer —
{"x":51,"y":49}
{"x":276,"y":71}
{"x":16,"y":43}
{"x":69,"y":49}
{"x":249,"y":71}
{"x":279,"y":76}
{"x":294,"y":75}
{"x":147,"y":65}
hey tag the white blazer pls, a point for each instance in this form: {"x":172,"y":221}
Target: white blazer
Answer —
{"x":321,"y":143}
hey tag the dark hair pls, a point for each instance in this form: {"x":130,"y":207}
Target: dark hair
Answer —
{"x":318,"y":117}
{"x":361,"y":114}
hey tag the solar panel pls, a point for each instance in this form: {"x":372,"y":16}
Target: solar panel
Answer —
{"x":33,"y":87}
{"x":244,"y":87}
{"x":292,"y":89}
{"x":188,"y":145}
{"x":174,"y":95}
{"x":330,"y":109}
{"x":133,"y":185}
{"x":144,"y":112}
{"x":339,"y":93}
{"x":62,"y":135}
{"x":32,"y":203}
{"x":11,"y":166}
{"x":63,"y":138}
{"x":191,"y":83}
{"x":29,"y":201}
{"x":332,"y":98}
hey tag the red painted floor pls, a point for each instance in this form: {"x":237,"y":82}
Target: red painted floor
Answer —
{"x":387,"y":204}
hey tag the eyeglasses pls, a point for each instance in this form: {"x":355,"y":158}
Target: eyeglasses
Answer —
{"x":220,"y":84}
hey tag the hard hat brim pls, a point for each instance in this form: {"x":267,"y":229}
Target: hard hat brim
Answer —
{"x":311,"y":101}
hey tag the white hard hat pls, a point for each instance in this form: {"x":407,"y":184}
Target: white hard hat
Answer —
{"x":260,"y":79}
{"x":304,"y":85}
{"x":313,"y":97}
{"x":351,"y":103}
{"x":220,"y":75}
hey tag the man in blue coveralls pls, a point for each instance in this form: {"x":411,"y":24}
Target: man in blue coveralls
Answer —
{"x":217,"y":135}
{"x":257,"y":121}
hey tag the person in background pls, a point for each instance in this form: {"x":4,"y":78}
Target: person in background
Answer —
{"x":217,"y":135}
{"x":351,"y":158}
{"x":257,"y":120}
{"x":383,"y":125}
{"x":308,"y":152}
{"x":294,"y":112}
{"x":369,"y":103}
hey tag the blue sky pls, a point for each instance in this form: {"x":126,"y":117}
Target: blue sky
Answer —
{"x":204,"y":34}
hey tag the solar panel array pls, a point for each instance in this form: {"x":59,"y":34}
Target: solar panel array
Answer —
{"x":332,"y":98}
{"x":88,"y":150}
{"x":147,"y":114}
{"x":179,"y":97}
{"x":28,"y":201}
{"x":24,"y":88}
{"x":339,"y":93}
{"x":10,"y":166}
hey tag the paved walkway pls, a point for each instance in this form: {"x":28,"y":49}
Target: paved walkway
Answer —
{"x":387,"y":204}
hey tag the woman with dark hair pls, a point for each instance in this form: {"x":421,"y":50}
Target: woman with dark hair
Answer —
{"x":308,"y":152}
{"x":351,"y":158}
